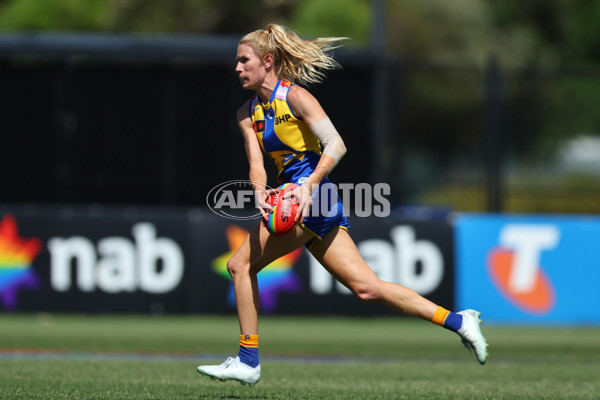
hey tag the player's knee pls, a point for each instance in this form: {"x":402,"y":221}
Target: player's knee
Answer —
{"x":236,"y":268}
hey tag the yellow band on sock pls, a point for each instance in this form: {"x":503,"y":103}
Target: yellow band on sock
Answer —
{"x":249,"y":340}
{"x":440,"y":316}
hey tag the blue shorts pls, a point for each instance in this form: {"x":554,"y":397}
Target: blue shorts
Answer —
{"x":327,"y":212}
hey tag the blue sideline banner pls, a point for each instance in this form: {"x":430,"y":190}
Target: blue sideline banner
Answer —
{"x":529,"y":269}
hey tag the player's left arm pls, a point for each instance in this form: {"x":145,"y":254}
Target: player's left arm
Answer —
{"x":306,"y":106}
{"x":257,"y":173}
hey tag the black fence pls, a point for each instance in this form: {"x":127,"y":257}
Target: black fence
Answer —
{"x":150,"y":120}
{"x":147,"y":121}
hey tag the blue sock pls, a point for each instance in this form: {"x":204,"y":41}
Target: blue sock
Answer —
{"x":453,"y":321}
{"x":249,"y":350}
{"x":447,"y":319}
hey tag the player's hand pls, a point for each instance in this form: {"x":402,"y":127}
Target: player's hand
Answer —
{"x":262,"y":203}
{"x":304,"y":196}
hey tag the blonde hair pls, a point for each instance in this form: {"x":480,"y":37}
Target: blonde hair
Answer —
{"x":295,"y":59}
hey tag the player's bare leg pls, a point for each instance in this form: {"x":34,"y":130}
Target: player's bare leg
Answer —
{"x":258,"y":250}
{"x":339,"y":255}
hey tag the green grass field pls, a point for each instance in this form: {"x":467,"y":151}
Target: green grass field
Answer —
{"x":139,"y":357}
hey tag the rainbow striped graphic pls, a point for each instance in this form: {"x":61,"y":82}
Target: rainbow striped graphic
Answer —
{"x":277,"y":277}
{"x":16,"y":258}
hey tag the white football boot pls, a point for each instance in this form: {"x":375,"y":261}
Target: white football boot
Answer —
{"x":471,"y":335}
{"x":232,"y":370}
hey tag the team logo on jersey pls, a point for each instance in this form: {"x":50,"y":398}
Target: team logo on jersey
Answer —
{"x":259,"y":126}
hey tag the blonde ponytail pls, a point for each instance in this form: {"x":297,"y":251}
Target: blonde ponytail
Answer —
{"x":295,"y":59}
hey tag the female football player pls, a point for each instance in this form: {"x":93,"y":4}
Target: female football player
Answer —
{"x":286,"y":122}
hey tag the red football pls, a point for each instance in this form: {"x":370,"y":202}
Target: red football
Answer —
{"x":281,"y":218}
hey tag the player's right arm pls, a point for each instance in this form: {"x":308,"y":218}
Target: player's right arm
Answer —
{"x":257,"y":173}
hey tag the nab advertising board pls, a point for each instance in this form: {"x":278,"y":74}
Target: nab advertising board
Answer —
{"x":529,"y":269}
{"x":417,"y":254}
{"x":92,"y":260}
{"x":61,"y":259}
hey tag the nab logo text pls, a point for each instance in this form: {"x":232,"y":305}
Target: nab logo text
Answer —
{"x":116,"y":264}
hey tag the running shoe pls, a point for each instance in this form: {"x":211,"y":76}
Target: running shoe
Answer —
{"x":232,"y":370}
{"x":471,"y":335}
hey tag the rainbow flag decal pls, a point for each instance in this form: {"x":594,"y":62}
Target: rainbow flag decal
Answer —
{"x":275,"y":278}
{"x":16,"y":259}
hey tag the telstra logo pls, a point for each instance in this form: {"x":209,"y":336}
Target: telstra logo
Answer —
{"x":515,"y":269}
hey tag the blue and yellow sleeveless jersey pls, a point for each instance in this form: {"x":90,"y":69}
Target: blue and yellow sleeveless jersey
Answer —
{"x":296,"y":151}
{"x":285,"y":138}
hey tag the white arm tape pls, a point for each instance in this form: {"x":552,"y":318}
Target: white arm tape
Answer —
{"x":330,"y":139}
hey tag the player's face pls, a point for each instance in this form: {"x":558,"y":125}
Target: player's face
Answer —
{"x":250,"y":67}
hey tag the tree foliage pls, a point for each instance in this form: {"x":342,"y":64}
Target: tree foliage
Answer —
{"x":347,"y":18}
{"x":121,"y":16}
{"x":52,"y":15}
{"x":547,"y":32}
{"x":569,"y":28}
{"x":195,"y":16}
